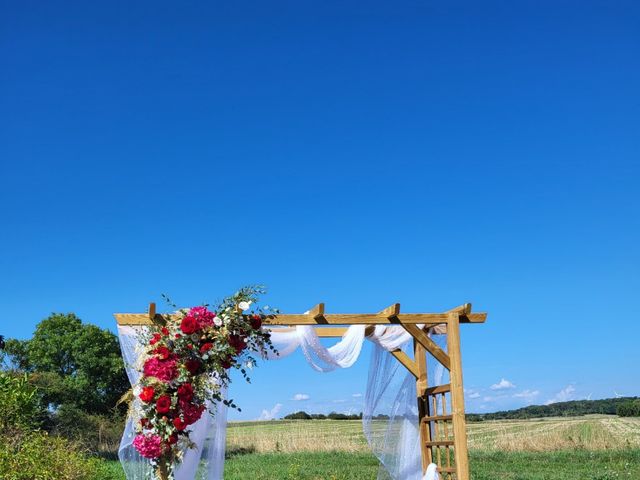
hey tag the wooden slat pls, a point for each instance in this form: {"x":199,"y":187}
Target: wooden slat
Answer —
{"x":429,"y":344}
{"x":404,"y":359}
{"x":439,"y":443}
{"x":457,"y":399}
{"x":436,"y":418}
{"x":438,"y":389}
{"x":420,"y":358}
{"x":447,"y":469}
{"x":331,"y":319}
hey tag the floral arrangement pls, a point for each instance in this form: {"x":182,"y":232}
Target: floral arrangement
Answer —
{"x":185,"y":363}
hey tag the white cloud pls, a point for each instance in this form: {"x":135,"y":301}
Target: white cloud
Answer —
{"x":471,"y":393}
{"x":528,"y":395}
{"x":563,"y":395}
{"x":489,"y":399}
{"x":502,"y":385}
{"x":356,"y":395}
{"x":270,"y":414}
{"x":300,"y":396}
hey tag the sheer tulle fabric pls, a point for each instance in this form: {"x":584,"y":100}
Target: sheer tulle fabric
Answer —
{"x":390,"y":415}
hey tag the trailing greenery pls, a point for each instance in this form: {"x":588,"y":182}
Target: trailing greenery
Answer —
{"x":607,"y":406}
{"x":72,"y":363}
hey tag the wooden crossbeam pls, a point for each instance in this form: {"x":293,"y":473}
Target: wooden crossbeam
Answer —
{"x":431,"y":346}
{"x":429,"y":319}
{"x":404,"y":359}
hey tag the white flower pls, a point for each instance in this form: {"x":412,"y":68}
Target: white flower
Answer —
{"x":217,"y":321}
{"x":244,"y":306}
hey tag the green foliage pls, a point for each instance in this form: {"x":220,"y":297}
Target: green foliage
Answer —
{"x":630,"y":408}
{"x":302,"y":415}
{"x":607,"y":406}
{"x":72,"y":363}
{"x":98,"y":434}
{"x":37,"y":456}
{"x":298,"y":416}
{"x":19,"y":403}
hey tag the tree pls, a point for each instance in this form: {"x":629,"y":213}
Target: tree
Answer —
{"x":298,"y":416}
{"x":72,"y":363}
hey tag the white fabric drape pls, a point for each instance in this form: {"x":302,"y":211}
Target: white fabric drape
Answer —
{"x":390,"y":416}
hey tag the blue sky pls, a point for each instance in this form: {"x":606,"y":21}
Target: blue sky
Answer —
{"x":430,"y":153}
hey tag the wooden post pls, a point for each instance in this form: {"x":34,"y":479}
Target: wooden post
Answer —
{"x":420,"y":358}
{"x":457,"y":398}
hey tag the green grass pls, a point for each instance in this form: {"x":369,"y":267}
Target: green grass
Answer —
{"x":575,"y":448}
{"x":563,"y":465}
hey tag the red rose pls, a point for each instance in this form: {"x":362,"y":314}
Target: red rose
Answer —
{"x":191,"y":412}
{"x":178,"y":335}
{"x":179,"y":424}
{"x":144,"y":422}
{"x":206,"y":347}
{"x":255,"y":321}
{"x":147,"y":394}
{"x":163,"y":404}
{"x":185,"y":391}
{"x":162,"y":352}
{"x":192,"y":366}
{"x":189,"y":325}
{"x":156,"y":338}
{"x":237,"y":342}
{"x":165,"y":331}
{"x":173,"y":439}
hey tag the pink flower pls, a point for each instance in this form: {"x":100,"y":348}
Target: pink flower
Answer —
{"x":149,"y":446}
{"x":203,"y":316}
{"x":163,"y":370}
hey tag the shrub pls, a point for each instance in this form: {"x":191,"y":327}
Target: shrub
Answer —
{"x":629,"y":409}
{"x":96,"y":433}
{"x":19,"y":403}
{"x":37,"y":456}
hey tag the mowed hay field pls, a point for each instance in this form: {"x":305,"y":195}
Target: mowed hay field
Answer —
{"x":574,"y":448}
{"x":593,"y":432}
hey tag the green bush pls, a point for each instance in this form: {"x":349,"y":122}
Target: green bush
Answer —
{"x":37,"y":456}
{"x":98,"y":434}
{"x":629,"y":409}
{"x":19,"y":403}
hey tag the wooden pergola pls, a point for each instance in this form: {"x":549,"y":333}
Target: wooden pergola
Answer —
{"x":441,"y":411}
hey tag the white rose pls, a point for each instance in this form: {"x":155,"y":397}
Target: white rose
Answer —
{"x":217,"y":321}
{"x":244,"y":306}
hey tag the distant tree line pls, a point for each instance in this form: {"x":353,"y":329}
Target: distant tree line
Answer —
{"x":622,"y":406}
{"x":302,"y":415}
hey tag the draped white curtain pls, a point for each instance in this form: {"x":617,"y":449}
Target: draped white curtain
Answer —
{"x":390,"y":416}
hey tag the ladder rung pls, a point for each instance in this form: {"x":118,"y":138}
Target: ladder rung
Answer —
{"x":436,"y":418}
{"x":447,"y":469}
{"x":438,"y":389}
{"x":439,"y":443}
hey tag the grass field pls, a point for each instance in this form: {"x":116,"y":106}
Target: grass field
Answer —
{"x":579,"y":448}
